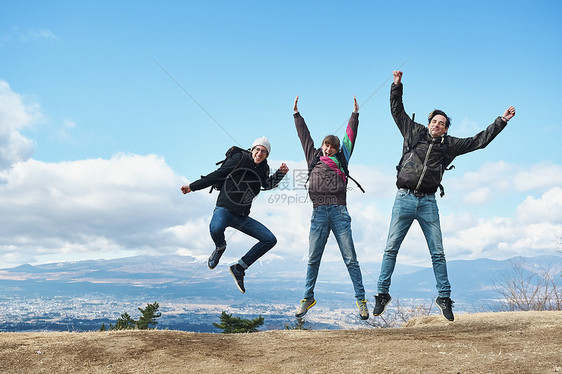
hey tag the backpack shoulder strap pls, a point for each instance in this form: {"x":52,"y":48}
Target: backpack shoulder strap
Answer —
{"x":343,"y":162}
{"x":312,"y":165}
{"x":445,"y":162}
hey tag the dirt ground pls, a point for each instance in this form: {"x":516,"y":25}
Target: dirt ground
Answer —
{"x":518,"y":342}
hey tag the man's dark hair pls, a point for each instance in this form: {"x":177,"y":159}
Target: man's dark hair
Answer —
{"x":439,"y":112}
{"x":332,"y":140}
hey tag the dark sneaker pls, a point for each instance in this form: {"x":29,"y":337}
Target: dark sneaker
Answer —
{"x":238,"y":278}
{"x":216,"y":256}
{"x":306,"y":304}
{"x":381,"y":301}
{"x":446,"y":306}
{"x":363,"y":310}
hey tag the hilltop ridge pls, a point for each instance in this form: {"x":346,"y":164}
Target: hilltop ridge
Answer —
{"x":506,"y":342}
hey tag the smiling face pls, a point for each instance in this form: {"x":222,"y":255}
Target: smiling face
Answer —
{"x":259,"y":153}
{"x":437,"y":126}
{"x":328,"y":149}
{"x":330,"y":145}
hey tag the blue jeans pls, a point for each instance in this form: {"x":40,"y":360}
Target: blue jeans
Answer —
{"x":408,"y":207}
{"x":223,"y":218}
{"x":326,"y":218}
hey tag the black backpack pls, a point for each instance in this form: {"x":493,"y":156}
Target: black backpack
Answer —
{"x":231,"y":152}
{"x":411,"y":145}
{"x":342,"y":161}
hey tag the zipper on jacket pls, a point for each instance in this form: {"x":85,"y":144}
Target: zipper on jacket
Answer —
{"x":425,"y":164}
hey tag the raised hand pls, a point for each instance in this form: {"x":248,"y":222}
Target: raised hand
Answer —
{"x":509,"y":113}
{"x":397,"y":76}
{"x":284,"y":168}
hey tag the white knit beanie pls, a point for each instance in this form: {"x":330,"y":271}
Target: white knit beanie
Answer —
{"x":263,"y":142}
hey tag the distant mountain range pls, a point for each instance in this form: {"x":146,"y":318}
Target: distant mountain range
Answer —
{"x":277,"y":281}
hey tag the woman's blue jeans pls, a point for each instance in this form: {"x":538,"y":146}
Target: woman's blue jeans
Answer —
{"x":335,"y":218}
{"x":407,"y":208}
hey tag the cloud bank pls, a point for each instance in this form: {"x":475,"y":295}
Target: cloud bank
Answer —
{"x":131,"y":204}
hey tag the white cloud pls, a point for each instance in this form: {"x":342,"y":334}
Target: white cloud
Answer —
{"x":37,"y":35}
{"x":15,"y":115}
{"x":532,"y":231}
{"x":466,"y":127}
{"x":501,"y":179}
{"x":62,"y":134}
{"x":547,"y":209}
{"x":96,"y":206}
{"x":539,"y":176}
{"x":26,"y":36}
{"x":479,"y":196}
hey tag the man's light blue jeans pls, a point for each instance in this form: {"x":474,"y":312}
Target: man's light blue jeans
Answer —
{"x":335,"y":218}
{"x":223,"y":218}
{"x":407,"y":208}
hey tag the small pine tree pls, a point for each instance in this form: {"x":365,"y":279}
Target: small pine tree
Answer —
{"x":236,"y":325}
{"x":299,"y":324}
{"x":146,"y":320}
{"x":125,"y":322}
{"x":148,"y":317}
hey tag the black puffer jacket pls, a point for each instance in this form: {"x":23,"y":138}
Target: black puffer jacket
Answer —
{"x":242,"y":180}
{"x":422,"y":167}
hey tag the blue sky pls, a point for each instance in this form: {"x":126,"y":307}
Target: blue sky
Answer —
{"x":108,"y":107}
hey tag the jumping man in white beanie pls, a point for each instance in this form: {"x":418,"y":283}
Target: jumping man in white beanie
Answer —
{"x":240,"y":179}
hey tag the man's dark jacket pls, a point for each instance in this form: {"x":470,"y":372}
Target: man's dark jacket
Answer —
{"x":422,"y":167}
{"x":241,"y":180}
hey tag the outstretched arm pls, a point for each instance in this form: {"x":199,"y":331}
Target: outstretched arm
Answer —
{"x":273,"y":180}
{"x":348,"y":141}
{"x":303,"y":133}
{"x":216,"y":176}
{"x":461,"y":146}
{"x":508,"y":114}
{"x":402,"y":120}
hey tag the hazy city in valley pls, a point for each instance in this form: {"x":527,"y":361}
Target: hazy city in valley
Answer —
{"x":81,"y":296}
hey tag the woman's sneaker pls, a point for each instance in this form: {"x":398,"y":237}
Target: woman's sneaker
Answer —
{"x":381,"y":301}
{"x":306,"y":304}
{"x":363,"y":310}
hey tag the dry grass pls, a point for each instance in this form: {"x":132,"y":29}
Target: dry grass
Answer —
{"x":510,"y":342}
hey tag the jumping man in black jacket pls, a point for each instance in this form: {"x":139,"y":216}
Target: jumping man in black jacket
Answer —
{"x":427,"y":152}
{"x":241,"y":178}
